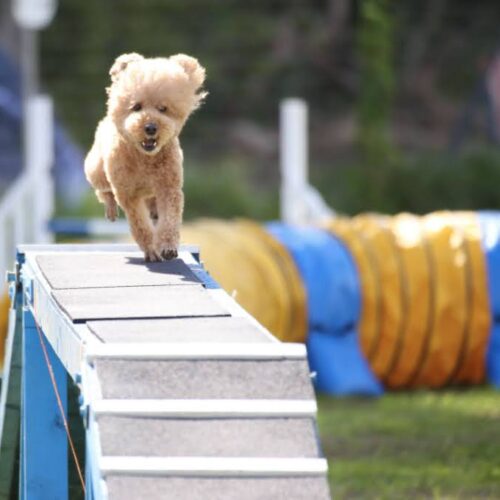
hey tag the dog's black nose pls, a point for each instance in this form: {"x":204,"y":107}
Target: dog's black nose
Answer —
{"x":150,"y":128}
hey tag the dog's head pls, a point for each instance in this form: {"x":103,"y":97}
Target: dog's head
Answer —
{"x":149,"y":100}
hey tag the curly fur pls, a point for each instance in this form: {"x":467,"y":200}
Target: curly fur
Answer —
{"x":139,"y":171}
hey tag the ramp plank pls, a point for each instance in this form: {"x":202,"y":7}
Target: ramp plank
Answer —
{"x":277,"y":437}
{"x":214,"y":329}
{"x":137,"y":302}
{"x":79,"y":270}
{"x":172,"y":488}
{"x":204,"y":379}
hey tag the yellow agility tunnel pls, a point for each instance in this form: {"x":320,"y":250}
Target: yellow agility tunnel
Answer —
{"x":425,"y":317}
{"x":383,"y":302}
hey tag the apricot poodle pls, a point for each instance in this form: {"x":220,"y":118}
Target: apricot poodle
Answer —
{"x":136,"y":159}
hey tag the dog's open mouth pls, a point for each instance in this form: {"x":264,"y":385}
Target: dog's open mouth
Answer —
{"x":149,"y":144}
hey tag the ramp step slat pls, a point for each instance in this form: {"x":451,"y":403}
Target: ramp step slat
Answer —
{"x":196,"y":351}
{"x":205,"y":408}
{"x":210,"y":466}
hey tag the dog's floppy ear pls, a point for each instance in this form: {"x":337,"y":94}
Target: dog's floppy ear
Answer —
{"x":121,"y":63}
{"x":192,"y":67}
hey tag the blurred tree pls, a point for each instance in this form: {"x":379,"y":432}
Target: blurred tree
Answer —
{"x":420,"y":36}
{"x":376,"y":59}
{"x":380,"y":76}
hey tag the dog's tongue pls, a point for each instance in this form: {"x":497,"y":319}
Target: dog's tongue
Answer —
{"x":148,"y":144}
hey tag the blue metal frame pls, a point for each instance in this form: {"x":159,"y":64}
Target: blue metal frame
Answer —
{"x":44,"y":447}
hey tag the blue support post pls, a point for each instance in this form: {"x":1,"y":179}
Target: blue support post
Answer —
{"x":44,"y":447}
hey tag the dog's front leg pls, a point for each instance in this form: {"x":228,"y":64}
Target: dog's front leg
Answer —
{"x":140,"y":225}
{"x":170,"y":204}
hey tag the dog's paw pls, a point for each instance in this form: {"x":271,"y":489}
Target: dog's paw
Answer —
{"x":169,"y":253}
{"x":152,"y":256}
{"x":111,"y":212}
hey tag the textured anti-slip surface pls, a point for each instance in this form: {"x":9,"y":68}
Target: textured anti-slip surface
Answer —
{"x":137,"y":302}
{"x":247,"y":437}
{"x":198,"y":488}
{"x":87,"y":270}
{"x":287,"y":379}
{"x":215,"y":329}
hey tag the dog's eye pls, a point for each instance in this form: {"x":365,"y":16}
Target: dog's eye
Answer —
{"x":162,"y":109}
{"x":137,"y":106}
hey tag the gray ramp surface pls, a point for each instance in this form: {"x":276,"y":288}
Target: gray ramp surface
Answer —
{"x":287,"y":379}
{"x":137,"y":302}
{"x":79,"y":270}
{"x":229,"y":437}
{"x":197,"y":488}
{"x":226,"y":329}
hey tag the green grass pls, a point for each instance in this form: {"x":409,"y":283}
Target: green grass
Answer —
{"x":440,"y":445}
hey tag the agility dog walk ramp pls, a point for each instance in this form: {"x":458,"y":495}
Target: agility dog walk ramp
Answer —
{"x":183,"y":394}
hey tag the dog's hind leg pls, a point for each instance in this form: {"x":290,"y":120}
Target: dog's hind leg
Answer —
{"x":153,"y":209}
{"x":94,"y":171}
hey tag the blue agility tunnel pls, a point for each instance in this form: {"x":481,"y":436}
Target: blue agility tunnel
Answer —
{"x":334,"y":307}
{"x":490,"y":235}
{"x":328,"y":274}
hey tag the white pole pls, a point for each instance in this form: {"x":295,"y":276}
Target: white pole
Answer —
{"x":29,"y":62}
{"x":39,"y":161}
{"x":293,"y":160}
{"x":38,"y":134}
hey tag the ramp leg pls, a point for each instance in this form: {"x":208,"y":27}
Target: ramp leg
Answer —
{"x":10,"y":402}
{"x":90,"y":479}
{"x":44,"y":448}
